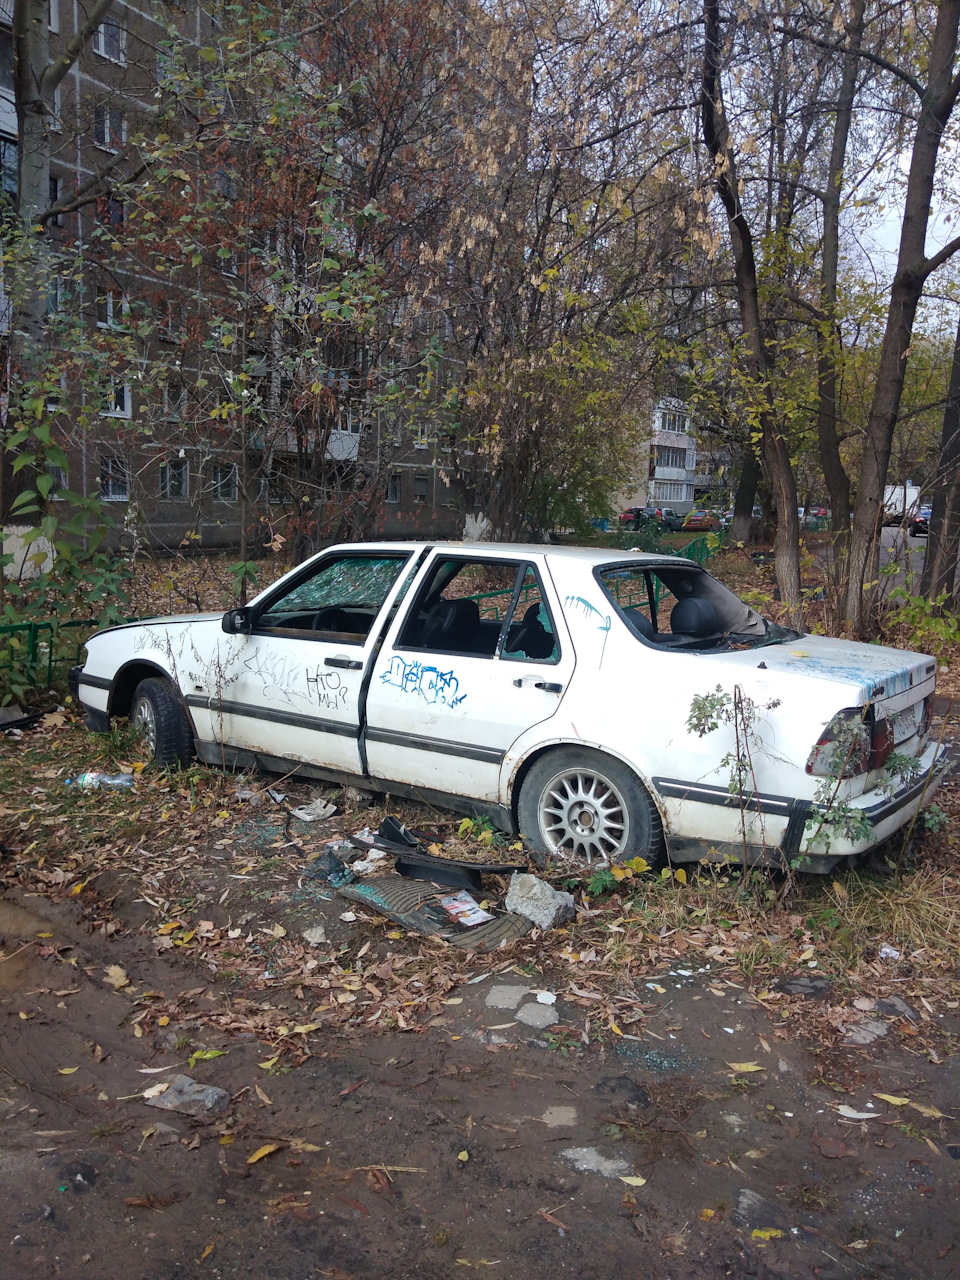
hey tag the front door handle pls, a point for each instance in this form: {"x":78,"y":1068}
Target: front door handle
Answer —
{"x":347,"y":664}
{"x":548,"y":686}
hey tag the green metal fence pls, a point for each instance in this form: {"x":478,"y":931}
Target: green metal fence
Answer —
{"x":35,"y":650}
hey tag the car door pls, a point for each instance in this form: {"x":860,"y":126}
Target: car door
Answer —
{"x":294,"y":686}
{"x":480,"y":657}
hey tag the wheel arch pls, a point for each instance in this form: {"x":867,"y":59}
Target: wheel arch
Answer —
{"x":126,"y":680}
{"x":526,"y":763}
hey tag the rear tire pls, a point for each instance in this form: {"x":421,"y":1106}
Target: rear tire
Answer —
{"x":582,"y":804}
{"x":157,"y":714}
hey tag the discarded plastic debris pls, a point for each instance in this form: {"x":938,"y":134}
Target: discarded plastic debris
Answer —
{"x":590,"y":1160}
{"x":546,"y":997}
{"x":315,"y":936}
{"x":462,"y":909}
{"x":186,"y":1095}
{"x":533,"y":898}
{"x":454,"y":872}
{"x":392,"y":828}
{"x":277,"y":797}
{"x":247,"y":796}
{"x":316,"y":811}
{"x":93,"y":779}
{"x":887,"y":952}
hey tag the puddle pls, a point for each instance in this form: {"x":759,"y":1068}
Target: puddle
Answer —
{"x":19,"y":969}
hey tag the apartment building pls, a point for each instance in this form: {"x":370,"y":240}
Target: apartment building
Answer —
{"x":190,"y":442}
{"x":680,"y":467}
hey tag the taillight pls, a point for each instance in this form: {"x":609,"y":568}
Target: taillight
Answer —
{"x":852,"y":743}
{"x":844,"y":748}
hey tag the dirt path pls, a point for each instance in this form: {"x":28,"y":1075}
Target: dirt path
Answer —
{"x":479,"y":1142}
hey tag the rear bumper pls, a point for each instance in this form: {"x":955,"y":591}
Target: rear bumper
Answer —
{"x":886,"y":814}
{"x":778,"y":831}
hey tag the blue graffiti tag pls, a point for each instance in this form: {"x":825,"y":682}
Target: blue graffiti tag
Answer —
{"x":588,"y":610}
{"x":430,"y":683}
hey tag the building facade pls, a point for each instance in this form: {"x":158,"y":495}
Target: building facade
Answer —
{"x":185,"y":447}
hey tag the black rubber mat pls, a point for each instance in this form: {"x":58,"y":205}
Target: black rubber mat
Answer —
{"x":415,"y":904}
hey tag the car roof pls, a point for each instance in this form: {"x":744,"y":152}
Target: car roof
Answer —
{"x":533,"y":551}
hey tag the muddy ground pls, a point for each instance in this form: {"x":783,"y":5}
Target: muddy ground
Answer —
{"x":700,"y":1138}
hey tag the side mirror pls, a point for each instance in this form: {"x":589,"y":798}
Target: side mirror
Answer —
{"x":237,"y":622}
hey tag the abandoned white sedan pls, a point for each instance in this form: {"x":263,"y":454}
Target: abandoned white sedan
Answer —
{"x":605,"y":704}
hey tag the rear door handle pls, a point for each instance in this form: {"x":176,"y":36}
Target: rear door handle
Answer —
{"x":531,"y":682}
{"x":346,"y":664}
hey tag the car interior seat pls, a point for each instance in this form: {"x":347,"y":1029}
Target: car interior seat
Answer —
{"x":640,"y":623}
{"x":532,"y":638}
{"x":451,"y":625}
{"x":695,"y":616}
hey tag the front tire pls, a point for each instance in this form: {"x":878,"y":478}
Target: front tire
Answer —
{"x":158,"y":716}
{"x":582,"y":804}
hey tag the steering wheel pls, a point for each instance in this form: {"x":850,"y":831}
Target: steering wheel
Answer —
{"x":329,"y":619}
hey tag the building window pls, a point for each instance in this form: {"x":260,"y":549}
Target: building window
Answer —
{"x":6,"y":60}
{"x":393,"y":487}
{"x":53,"y":15}
{"x":421,"y":436}
{"x":669,"y":491}
{"x":110,"y":41}
{"x":350,"y":418}
{"x":114,"y":481}
{"x":667,"y":456}
{"x":675,"y":422}
{"x":109,"y":127}
{"x":54,"y":295}
{"x":59,"y":477}
{"x":174,"y":401}
{"x":421,"y":487}
{"x":117,"y":399}
{"x":171,"y":320}
{"x":8,"y":166}
{"x":54,"y":193}
{"x":55,"y":122}
{"x":175,"y":478}
{"x":223,"y":483}
{"x":110,"y":212}
{"x":111,"y":308}
{"x":691,"y":459}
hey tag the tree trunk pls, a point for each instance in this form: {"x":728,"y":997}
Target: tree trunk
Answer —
{"x":828,"y":351}
{"x":937,"y":102}
{"x":742,"y":523}
{"x":774,"y":450}
{"x":943,"y":539}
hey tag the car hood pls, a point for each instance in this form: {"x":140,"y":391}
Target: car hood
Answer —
{"x":165,"y":621}
{"x":872,"y":672}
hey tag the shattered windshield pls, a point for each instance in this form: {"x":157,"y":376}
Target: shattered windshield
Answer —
{"x":682,"y":606}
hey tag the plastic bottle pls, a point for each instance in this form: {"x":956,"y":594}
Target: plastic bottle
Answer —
{"x":92,"y":780}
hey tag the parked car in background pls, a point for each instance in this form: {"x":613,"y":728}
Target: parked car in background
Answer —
{"x":511,"y":681}
{"x":671,"y":520}
{"x":920,"y":524}
{"x":666,"y":517}
{"x":702,"y":519}
{"x":632,"y":517}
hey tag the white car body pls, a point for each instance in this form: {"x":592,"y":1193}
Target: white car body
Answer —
{"x":463,"y":729}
